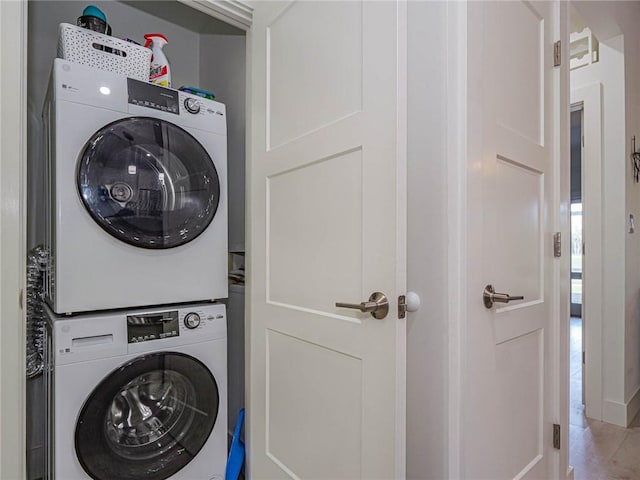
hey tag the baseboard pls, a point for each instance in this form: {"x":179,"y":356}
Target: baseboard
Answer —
{"x":619,"y":413}
{"x":614,"y":412}
{"x":569,"y":475}
{"x":633,"y":406}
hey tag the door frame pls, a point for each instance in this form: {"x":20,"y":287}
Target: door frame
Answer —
{"x":13,"y":214}
{"x":458,"y":174}
{"x":13,"y":160}
{"x":456,"y":31}
{"x":593,"y":287}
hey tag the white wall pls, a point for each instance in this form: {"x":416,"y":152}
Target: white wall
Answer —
{"x":427,"y":332}
{"x":222,"y":70}
{"x":632,"y":272}
{"x":620,"y":76}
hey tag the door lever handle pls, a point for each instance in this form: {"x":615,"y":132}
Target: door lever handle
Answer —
{"x":489,"y":296}
{"x":377,"y":306}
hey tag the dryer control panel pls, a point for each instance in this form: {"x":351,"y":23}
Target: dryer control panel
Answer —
{"x":153,"y":96}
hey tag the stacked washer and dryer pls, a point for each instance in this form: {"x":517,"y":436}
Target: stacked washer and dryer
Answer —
{"x":136,"y":223}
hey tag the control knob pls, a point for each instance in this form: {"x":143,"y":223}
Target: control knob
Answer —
{"x":192,"y":105}
{"x":192,"y":320}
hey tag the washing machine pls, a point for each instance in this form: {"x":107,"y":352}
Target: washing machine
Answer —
{"x":137,"y":394}
{"x":136,"y":193}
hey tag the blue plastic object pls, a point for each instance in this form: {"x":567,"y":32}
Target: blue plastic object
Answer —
{"x":236,"y":454}
{"x":94,"y":11}
{"x":198,"y":91}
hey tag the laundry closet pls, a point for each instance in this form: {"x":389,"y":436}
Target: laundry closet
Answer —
{"x":203,"y":52}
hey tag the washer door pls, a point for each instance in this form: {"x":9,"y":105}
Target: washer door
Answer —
{"x":147,"y":419}
{"x":148,"y":183}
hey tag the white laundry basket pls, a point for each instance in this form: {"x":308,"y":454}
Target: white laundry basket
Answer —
{"x":84,"y":46}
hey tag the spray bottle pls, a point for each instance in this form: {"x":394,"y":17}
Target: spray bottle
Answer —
{"x":160,"y":72}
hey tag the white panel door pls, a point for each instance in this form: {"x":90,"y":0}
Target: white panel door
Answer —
{"x":507,"y":394}
{"x":326,"y":210}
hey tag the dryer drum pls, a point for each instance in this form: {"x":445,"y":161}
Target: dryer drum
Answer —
{"x":148,"y":183}
{"x":147,"y":419}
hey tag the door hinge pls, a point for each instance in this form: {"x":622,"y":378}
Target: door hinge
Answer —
{"x":556,"y":54}
{"x":402,"y":306}
{"x":556,"y":436}
{"x":557,"y":244}
{"x":583,"y":358}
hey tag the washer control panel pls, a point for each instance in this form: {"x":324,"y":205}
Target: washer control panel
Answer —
{"x":152,"y":326}
{"x":192,"y":105}
{"x":198,"y":320}
{"x":113,"y":333}
{"x":192,"y":320}
{"x":143,"y":327}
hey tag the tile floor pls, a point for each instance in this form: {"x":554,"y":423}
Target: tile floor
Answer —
{"x":598,"y":451}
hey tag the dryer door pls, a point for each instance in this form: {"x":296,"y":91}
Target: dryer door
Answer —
{"x":147,"y":419}
{"x":148,"y":182}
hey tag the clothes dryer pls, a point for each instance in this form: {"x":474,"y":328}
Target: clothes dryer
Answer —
{"x":137,"y":394}
{"x":136,"y":193}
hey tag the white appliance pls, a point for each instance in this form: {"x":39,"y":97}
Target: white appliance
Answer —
{"x":137,"y":394}
{"x":136,"y":194}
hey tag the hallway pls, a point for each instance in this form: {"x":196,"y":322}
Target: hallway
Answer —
{"x":599,"y":451}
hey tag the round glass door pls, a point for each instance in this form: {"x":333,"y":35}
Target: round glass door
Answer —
{"x":148,"y":183}
{"x":147,"y":419}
